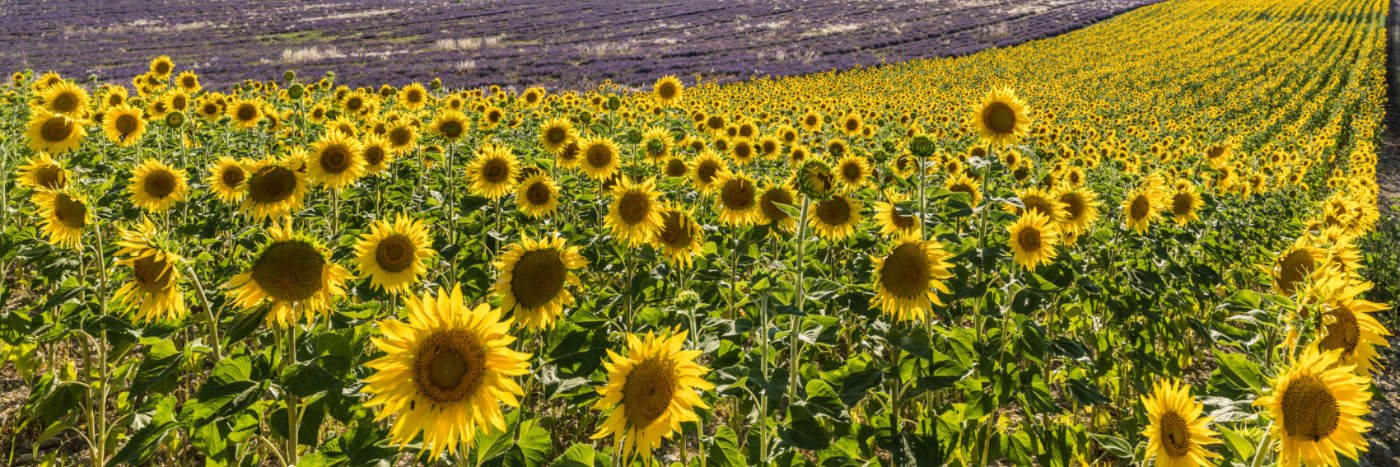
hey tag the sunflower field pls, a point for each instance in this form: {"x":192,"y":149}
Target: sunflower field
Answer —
{"x":1142,"y":242}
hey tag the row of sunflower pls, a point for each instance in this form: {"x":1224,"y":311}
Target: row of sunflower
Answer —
{"x":839,"y":268}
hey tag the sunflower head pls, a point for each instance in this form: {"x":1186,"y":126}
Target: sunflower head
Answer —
{"x":493,"y":173}
{"x":54,"y":133}
{"x":707,"y":171}
{"x":392,"y":254}
{"x":667,"y":90}
{"x":534,"y":279}
{"x":815,"y":180}
{"x":651,"y":391}
{"x":776,"y":194}
{"x":1002,"y":118}
{"x":1318,"y":407}
{"x":155,"y":275}
{"x":161,"y":67}
{"x":737,"y":202}
{"x":43,"y":172}
{"x":1081,"y":208}
{"x":599,"y":157}
{"x":908,"y":278}
{"x":1177,"y":434}
{"x":1033,"y":239}
{"x":634,"y":213}
{"x":1141,"y":207}
{"x":835,"y":218}
{"x":336,"y":160}
{"x":274,"y":188}
{"x":64,"y":215}
{"x":1296,"y":266}
{"x":65,"y":98}
{"x":679,"y":237}
{"x":537,"y":196}
{"x":294,"y":273}
{"x":556,"y":133}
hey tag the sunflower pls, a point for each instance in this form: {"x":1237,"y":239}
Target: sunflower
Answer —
{"x":737,"y":202}
{"x":377,"y":153}
{"x":707,"y":169}
{"x":568,"y":157}
{"x":1141,"y":207}
{"x":652,"y":391}
{"x":155,"y":186}
{"x":679,"y":237}
{"x":1176,"y":433}
{"x":656,"y":144}
{"x":1349,"y":327}
{"x":633,"y":215}
{"x":336,"y":160}
{"x":811,"y":121}
{"x":1296,"y":266}
{"x":124,"y":125}
{"x":815,"y":180}
{"x":392,"y":254}
{"x":1002,"y":118}
{"x":599,"y":157}
{"x":891,"y":223}
{"x":155,"y":275}
{"x":768,"y":201}
{"x":1081,"y":209}
{"x":906,"y":278}
{"x":676,"y":167}
{"x":414,"y":96}
{"x":852,"y":172}
{"x":537,"y":196}
{"x":534,"y":280}
{"x":1033,"y":239}
{"x":851,"y":124}
{"x":65,"y":214}
{"x":836,"y":218}
{"x":1317,"y":406}
{"x":41,"y":171}
{"x":667,"y":90}
{"x":450,"y":124}
{"x":245,"y":113}
{"x":1036,"y":199}
{"x":176,"y":101}
{"x":556,"y":133}
{"x":294,"y":272}
{"x":742,"y":151}
{"x":402,"y":137}
{"x":1184,"y":203}
{"x":226,"y":177}
{"x":188,"y":82}
{"x":493,"y":173}
{"x":274,"y":188}
{"x":445,"y":372}
{"x":54,"y":133}
{"x":161,"y":67}
{"x":114,"y":96}
{"x":965,"y":184}
{"x":65,"y":98}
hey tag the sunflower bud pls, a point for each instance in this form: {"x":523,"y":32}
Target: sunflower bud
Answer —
{"x":634,"y":136}
{"x":175,"y":119}
{"x":436,"y":84}
{"x":289,"y":75}
{"x":296,"y":91}
{"x":815,"y":180}
{"x":686,"y":300}
{"x":614,"y":103}
{"x":921,"y":147}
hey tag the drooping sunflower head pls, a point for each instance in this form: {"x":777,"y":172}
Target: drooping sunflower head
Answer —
{"x":294,"y":273}
{"x":707,"y":170}
{"x":835,"y":218}
{"x":1177,"y":434}
{"x":64,"y":214}
{"x":124,"y":125}
{"x":1318,"y":407}
{"x":667,"y":90}
{"x":679,"y":237}
{"x":274,"y":188}
{"x":815,"y":180}
{"x":54,"y":133}
{"x":43,"y":172}
{"x":1002,"y":118}
{"x":556,"y":133}
{"x":537,"y":196}
{"x":493,"y":173}
{"x":651,"y":391}
{"x":155,"y":186}
{"x":534,"y":280}
{"x":852,"y":172}
{"x":737,"y":202}
{"x":1081,"y":209}
{"x":599,"y":157}
{"x":908,"y":278}
{"x":155,"y":275}
{"x":1033,"y":239}
{"x":336,"y":160}
{"x":634,"y":214}
{"x":446,"y":372}
{"x":392,"y":254}
{"x":66,"y":98}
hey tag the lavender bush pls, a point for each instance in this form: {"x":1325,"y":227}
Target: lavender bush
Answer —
{"x":553,"y":43}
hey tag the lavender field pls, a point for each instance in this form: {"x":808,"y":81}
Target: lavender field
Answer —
{"x":557,"y":44}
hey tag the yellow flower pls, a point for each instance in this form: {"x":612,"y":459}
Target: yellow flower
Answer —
{"x":537,"y":196}
{"x":377,"y":154}
{"x":651,"y":391}
{"x":599,"y":157}
{"x":336,"y":160}
{"x":292,"y":272}
{"x":668,"y":90}
{"x":707,"y":169}
{"x":155,"y":275}
{"x":556,"y":133}
{"x":66,"y":98}
{"x":1033,"y":239}
{"x":1347,"y":324}
{"x":679,"y":237}
{"x":226,"y":177}
{"x":64,"y":213}
{"x":907,"y":277}
{"x":633,"y":215}
{"x":835,"y":218}
{"x":1317,"y":405}
{"x":124,"y":125}
{"x":54,"y":133}
{"x":41,"y":171}
{"x":161,"y":67}
{"x":851,"y":172}
{"x":493,"y":173}
{"x":1296,"y":266}
{"x":891,"y":223}
{"x":1081,"y":209}
{"x":777,"y":193}
{"x":392,"y":254}
{"x":450,"y":124}
{"x":155,"y":186}
{"x":1141,"y":207}
{"x":445,"y":372}
{"x":534,"y":280}
{"x":737,"y":202}
{"x":245,"y":113}
{"x":1002,"y":118}
{"x":1176,"y":433}
{"x":414,"y":96}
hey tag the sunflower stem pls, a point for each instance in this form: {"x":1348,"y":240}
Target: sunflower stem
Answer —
{"x":793,"y":342}
{"x":292,"y":428}
{"x":208,"y":314}
{"x":1260,"y":448}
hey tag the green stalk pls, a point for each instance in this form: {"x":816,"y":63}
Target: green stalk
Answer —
{"x":793,"y":343}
